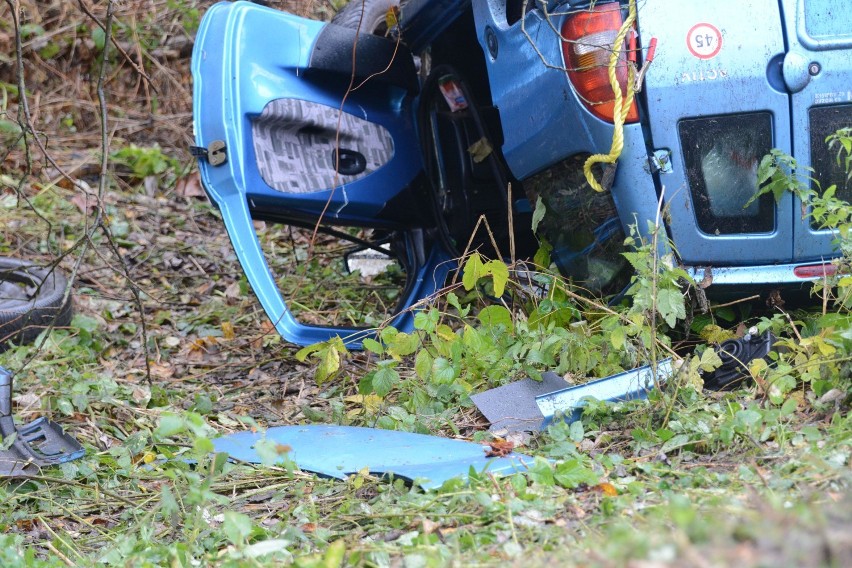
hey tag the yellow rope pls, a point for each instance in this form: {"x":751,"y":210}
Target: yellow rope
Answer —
{"x":622,"y":103}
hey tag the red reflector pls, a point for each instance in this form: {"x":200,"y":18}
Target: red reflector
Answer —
{"x":588,"y":38}
{"x":815,"y":270}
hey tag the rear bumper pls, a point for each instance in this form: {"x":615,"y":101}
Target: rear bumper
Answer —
{"x":776,"y":274}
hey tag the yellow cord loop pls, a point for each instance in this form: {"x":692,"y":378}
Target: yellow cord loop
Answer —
{"x":622,"y":103}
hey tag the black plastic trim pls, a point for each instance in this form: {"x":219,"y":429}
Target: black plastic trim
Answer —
{"x":384,"y":60}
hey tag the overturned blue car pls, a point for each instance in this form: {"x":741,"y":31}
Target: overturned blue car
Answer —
{"x":423,"y":121}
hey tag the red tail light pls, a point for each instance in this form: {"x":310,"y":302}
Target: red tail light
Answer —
{"x":815,"y":270}
{"x":589,"y":36}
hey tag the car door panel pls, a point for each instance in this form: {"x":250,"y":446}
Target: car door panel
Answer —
{"x":711,"y":101}
{"x":817,"y":69}
{"x":306,"y":140}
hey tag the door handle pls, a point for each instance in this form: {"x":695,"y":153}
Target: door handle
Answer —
{"x":796,"y":72}
{"x":350,"y":162}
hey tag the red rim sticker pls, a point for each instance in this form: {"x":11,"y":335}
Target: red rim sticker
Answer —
{"x":704,"y":40}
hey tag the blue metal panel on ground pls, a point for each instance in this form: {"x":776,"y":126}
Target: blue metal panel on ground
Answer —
{"x":338,"y":451}
{"x":629,"y":385}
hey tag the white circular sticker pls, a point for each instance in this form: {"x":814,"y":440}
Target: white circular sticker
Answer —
{"x":704,"y":40}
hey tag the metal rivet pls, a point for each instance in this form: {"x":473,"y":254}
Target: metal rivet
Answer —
{"x":814,"y":68}
{"x":491,"y":42}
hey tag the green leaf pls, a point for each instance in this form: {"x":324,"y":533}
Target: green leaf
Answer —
{"x":202,"y":446}
{"x":303,"y":353}
{"x":423,"y":364}
{"x":499,"y":274}
{"x":671,"y":305}
{"x":474,"y":269}
{"x":373,"y":346}
{"x":443,"y":371}
{"x":404,"y":344}
{"x":270,"y":451}
{"x":384,"y":379}
{"x":492,"y":316}
{"x":541,"y":472}
{"x":748,"y":417}
{"x":453,"y":300}
{"x":237,"y":527}
{"x":617,"y":337}
{"x":334,"y":555}
{"x":329,"y":364}
{"x":710,"y":360}
{"x":538,"y":216}
{"x":99,"y":37}
{"x":169,"y":425}
{"x":576,"y":432}
{"x":85,"y":322}
{"x":571,"y":473}
{"x":675,"y":442}
{"x":471,"y":339}
{"x":168,"y":504}
{"x":789,"y":407}
{"x":542,"y":255}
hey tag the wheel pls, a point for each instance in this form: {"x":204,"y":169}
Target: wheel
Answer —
{"x":374,"y":15}
{"x":30,"y":301}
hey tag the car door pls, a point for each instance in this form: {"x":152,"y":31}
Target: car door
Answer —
{"x":716,"y":99}
{"x":818,"y":73}
{"x":287,"y":131}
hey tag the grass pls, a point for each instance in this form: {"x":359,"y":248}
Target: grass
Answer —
{"x":749,"y":478}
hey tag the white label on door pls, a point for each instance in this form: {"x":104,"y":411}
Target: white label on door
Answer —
{"x":704,"y":40}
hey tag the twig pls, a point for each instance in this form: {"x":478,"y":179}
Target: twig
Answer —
{"x":734,"y":302}
{"x":109,"y":38}
{"x":56,"y":551}
{"x":511,"y":221}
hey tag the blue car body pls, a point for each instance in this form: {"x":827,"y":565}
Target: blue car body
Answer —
{"x":288,"y":139}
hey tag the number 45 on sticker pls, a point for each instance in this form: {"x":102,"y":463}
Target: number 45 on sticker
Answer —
{"x":704,"y":40}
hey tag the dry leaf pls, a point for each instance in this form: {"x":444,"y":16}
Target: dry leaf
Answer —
{"x":392,"y":17}
{"x":190,"y":186}
{"x":606,"y":488}
{"x":228,"y":332}
{"x":429,"y":526}
{"x":85,"y":203}
{"x":499,"y":448}
{"x":480,"y":149}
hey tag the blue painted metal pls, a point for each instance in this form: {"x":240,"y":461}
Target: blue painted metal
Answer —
{"x":529,"y":93}
{"x":749,"y":275}
{"x":629,"y":385}
{"x":338,"y":451}
{"x":246,"y":56}
{"x":818,"y":33}
{"x":680,"y":85}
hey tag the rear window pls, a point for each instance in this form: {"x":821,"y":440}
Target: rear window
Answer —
{"x":824,"y":121}
{"x":721,"y":154}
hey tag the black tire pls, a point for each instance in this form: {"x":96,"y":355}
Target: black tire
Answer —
{"x":30,"y":301}
{"x":374,"y":12}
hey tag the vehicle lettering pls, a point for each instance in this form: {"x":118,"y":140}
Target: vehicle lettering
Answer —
{"x":704,"y":40}
{"x":703,"y":75}
{"x":832,"y":97}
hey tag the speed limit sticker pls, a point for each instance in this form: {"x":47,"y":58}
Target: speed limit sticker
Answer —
{"x":704,"y":40}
